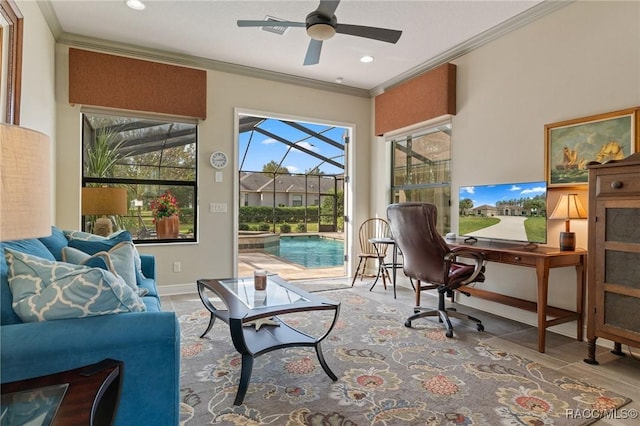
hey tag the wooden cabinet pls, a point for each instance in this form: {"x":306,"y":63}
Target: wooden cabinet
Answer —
{"x":613,"y":295}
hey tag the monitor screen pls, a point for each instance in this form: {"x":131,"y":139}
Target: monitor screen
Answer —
{"x":506,"y":211}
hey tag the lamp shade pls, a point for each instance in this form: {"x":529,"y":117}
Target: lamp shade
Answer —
{"x":25,"y":183}
{"x":104,"y":200}
{"x":569,"y":207}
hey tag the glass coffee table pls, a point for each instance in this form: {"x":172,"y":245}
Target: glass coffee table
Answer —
{"x":253,"y":321}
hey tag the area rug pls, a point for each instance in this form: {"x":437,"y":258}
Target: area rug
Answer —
{"x":322,"y":284}
{"x":387,"y":375}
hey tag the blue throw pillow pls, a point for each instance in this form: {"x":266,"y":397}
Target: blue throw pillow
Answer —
{"x":33,"y":246}
{"x":45,"y":290}
{"x":92,"y":244}
{"x":118,"y":260}
{"x":55,"y":242}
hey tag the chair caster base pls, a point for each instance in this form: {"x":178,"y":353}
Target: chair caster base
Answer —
{"x":407,"y":324}
{"x":480,"y":327}
{"x":449,"y":334}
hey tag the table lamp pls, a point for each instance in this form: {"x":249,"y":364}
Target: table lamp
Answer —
{"x":103,"y":200}
{"x":568,"y":207}
{"x":25,"y":183}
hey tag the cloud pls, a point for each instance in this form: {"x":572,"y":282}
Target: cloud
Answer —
{"x":308,"y":146}
{"x":468,"y":189}
{"x":292,"y":169}
{"x":536,"y":190}
{"x":268,"y":141}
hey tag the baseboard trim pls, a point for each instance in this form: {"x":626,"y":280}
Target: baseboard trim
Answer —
{"x":175,"y":289}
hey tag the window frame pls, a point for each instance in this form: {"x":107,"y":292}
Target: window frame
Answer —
{"x":444,"y":208}
{"x":193,"y":184}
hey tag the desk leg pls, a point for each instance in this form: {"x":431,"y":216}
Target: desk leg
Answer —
{"x":542,"y":273}
{"x":580,"y":281}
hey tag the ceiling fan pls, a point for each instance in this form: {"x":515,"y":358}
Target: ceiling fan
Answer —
{"x":321,"y":24}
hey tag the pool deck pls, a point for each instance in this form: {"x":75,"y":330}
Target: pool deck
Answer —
{"x":250,"y":261}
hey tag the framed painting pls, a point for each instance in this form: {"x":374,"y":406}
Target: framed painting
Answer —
{"x":571,"y":145}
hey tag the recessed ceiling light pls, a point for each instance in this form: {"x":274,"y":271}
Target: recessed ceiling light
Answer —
{"x":136,"y":4}
{"x":366,"y":59}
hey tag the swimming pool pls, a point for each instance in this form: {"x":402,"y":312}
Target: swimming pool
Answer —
{"x":310,"y":251}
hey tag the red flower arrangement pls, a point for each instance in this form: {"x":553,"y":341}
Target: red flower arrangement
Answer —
{"x":165,"y":205}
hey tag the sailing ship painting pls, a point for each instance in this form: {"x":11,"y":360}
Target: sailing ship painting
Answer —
{"x":571,"y":147}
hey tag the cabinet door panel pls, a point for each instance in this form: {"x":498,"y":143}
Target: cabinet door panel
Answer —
{"x":622,"y":268}
{"x":622,"y":225}
{"x":617,"y":312}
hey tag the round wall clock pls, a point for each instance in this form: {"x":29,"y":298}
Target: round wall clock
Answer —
{"x":218,"y":160}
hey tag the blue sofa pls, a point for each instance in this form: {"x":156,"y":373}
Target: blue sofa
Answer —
{"x":148,"y":343}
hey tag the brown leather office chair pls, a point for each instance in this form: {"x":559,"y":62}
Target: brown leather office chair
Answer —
{"x":429,"y":260}
{"x":372,"y":228}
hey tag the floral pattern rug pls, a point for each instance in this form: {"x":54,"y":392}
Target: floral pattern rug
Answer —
{"x":387,"y":375}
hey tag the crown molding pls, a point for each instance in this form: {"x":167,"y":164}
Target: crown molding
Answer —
{"x":544,"y":8}
{"x":528,"y":16}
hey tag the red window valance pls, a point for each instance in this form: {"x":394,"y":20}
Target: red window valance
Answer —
{"x":99,"y":79}
{"x":427,"y":96}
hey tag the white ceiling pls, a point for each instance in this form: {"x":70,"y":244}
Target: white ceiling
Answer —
{"x":433,"y":32}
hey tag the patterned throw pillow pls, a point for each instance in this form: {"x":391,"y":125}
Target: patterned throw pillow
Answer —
{"x":92,"y":244}
{"x":118,"y":260}
{"x":44,"y":290}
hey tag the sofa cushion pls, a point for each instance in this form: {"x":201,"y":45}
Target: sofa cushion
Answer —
{"x":55,"y":242}
{"x":152,"y":303}
{"x":91,"y":244}
{"x":33,"y":246}
{"x":46,"y":290}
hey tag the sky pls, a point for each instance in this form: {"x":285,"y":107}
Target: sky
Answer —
{"x":263,"y":149}
{"x":489,"y":194}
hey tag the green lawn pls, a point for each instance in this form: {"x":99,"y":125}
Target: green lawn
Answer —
{"x":473,"y":223}
{"x":536,"y":227}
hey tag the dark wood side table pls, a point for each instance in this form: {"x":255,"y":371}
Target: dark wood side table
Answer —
{"x":91,"y":397}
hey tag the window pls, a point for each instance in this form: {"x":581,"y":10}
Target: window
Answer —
{"x":421,"y":170}
{"x":150,"y":158}
{"x":296,"y":200}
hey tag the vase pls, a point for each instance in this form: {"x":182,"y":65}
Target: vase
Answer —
{"x":167,"y":227}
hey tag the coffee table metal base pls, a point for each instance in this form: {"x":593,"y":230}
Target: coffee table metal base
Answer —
{"x":251,"y":343}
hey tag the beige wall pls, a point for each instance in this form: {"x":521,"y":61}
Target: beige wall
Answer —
{"x":581,"y":60}
{"x":578,"y":61}
{"x":37,"y":101}
{"x":213,"y":255}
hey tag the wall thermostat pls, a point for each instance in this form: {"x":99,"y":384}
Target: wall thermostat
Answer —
{"x":218,"y":160}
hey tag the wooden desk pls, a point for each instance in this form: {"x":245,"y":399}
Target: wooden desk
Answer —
{"x":542,"y":259}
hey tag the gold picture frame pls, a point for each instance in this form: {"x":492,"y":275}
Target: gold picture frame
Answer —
{"x":570,"y":145}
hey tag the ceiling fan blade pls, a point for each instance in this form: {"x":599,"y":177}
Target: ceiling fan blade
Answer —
{"x":313,"y":52}
{"x":382,"y":34}
{"x":245,"y":23}
{"x":328,"y":7}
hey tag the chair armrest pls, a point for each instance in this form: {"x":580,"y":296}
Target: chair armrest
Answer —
{"x":477,"y":257}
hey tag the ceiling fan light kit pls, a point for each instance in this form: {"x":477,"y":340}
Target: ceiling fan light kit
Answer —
{"x":322,"y":24}
{"x":319,"y":27}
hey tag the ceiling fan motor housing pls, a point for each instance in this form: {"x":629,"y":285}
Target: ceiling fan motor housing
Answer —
{"x":320,"y":27}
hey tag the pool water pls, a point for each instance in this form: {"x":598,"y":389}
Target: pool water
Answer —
{"x":311,"y":251}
